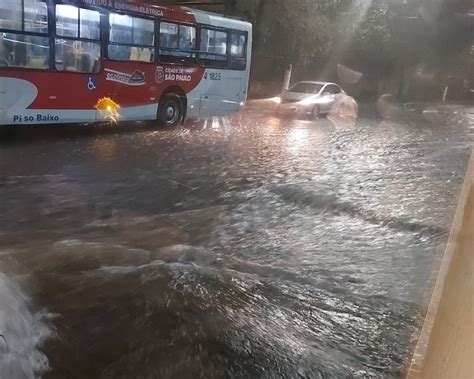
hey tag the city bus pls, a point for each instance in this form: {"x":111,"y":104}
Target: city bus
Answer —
{"x":81,"y":61}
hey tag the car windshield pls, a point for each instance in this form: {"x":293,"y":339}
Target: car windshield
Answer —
{"x":304,"y":87}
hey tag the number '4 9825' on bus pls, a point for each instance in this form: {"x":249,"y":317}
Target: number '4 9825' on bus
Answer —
{"x":89,"y":60}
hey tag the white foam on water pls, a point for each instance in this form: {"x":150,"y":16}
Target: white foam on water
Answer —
{"x":21,"y":334}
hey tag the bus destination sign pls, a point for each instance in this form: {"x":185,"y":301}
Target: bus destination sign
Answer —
{"x":121,"y":6}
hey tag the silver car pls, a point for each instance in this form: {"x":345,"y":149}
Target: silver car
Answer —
{"x":312,"y":99}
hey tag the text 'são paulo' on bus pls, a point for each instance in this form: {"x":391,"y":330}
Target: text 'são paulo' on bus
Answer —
{"x":68,"y":61}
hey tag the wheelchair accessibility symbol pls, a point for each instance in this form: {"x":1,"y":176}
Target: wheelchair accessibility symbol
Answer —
{"x":91,"y":83}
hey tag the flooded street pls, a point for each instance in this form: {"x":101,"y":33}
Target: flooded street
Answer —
{"x":250,"y":246}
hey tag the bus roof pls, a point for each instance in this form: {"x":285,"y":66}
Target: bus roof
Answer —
{"x":172,"y":12}
{"x":219,"y":20}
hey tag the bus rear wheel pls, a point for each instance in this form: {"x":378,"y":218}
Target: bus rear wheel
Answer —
{"x":170,"y":110}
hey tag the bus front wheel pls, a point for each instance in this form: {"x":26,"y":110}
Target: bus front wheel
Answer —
{"x":170,"y":110}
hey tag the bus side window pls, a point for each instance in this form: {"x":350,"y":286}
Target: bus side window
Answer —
{"x":89,"y":24}
{"x":11,"y":14}
{"x":24,"y":49}
{"x":177,"y":43}
{"x":238,"y":50}
{"x":79,"y":56}
{"x":36,"y":16}
{"x":67,"y":17}
{"x":187,"y":40}
{"x":131,"y":38}
{"x":78,"y":42}
{"x":213,"y":49}
{"x":169,"y":36}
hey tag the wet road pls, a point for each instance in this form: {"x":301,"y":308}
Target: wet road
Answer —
{"x":251,"y":246}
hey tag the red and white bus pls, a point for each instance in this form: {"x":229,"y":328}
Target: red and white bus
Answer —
{"x":73,"y":61}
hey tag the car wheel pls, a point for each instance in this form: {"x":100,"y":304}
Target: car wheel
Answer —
{"x":170,"y":111}
{"x":315,"y":112}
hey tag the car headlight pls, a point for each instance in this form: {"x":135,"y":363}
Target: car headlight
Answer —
{"x":308,"y":101}
{"x":276,"y":100}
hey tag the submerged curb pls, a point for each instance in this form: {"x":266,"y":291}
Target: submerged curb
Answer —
{"x":420,"y":352}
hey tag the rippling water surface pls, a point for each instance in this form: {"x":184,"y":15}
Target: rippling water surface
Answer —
{"x":245,"y":247}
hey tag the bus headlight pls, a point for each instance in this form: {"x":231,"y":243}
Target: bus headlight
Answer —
{"x":109,"y":108}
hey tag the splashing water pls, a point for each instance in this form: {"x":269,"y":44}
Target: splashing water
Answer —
{"x":21,"y":332}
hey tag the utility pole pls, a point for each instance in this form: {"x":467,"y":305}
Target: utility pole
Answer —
{"x":287,"y":78}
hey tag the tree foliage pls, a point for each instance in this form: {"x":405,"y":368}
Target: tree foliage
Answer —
{"x":369,"y":35}
{"x":312,"y":30}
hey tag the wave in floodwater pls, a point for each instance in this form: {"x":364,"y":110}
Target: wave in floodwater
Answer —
{"x":267,"y":249}
{"x":21,"y":333}
{"x":184,"y":309}
{"x":326,"y":201}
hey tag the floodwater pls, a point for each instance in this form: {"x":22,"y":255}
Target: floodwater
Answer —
{"x":250,"y":246}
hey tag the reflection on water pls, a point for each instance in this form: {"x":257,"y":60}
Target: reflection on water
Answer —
{"x":249,"y":246}
{"x":297,"y":139}
{"x":105,"y":148}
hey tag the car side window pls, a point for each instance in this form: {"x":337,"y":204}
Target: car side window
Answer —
{"x":332,"y":89}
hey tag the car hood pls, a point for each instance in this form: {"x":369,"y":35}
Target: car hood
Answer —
{"x":293,"y":97}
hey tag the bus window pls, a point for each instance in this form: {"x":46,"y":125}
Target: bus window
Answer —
{"x":187,"y":38}
{"x":23,"y":50}
{"x":238,"y":50}
{"x":67,"y":21}
{"x":120,"y":28}
{"x":36,"y":16}
{"x":169,"y":34}
{"x":177,"y":43}
{"x":143,"y":32}
{"x":19,"y":48}
{"x":78,"y":48}
{"x":11,"y":14}
{"x":131,"y":38}
{"x":90,"y":24}
{"x":213,"y":51}
{"x":237,"y":44}
{"x":79,"y":56}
